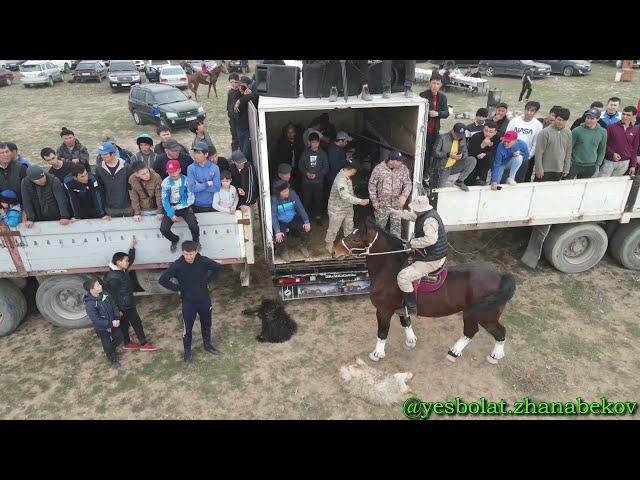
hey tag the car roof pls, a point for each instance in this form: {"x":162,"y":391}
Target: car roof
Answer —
{"x":34,"y":62}
{"x":154,"y":87}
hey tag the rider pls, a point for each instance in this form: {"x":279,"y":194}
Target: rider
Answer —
{"x":204,"y":68}
{"x":429,"y":246}
{"x":186,"y":66}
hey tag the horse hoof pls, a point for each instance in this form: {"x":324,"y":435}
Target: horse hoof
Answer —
{"x":373,"y":357}
{"x":451,"y":358}
{"x":491,"y":360}
{"x":409,"y":346}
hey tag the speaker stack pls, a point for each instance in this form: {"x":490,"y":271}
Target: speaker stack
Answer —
{"x":278,"y":81}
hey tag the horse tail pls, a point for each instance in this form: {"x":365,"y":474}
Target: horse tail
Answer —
{"x":496,"y":299}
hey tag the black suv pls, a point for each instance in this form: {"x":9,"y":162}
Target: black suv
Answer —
{"x":176,"y":109}
{"x":123,"y":73}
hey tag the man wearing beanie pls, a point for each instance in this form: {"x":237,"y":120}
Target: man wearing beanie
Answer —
{"x":145,"y":154}
{"x":43,"y":198}
{"x":71,"y":149}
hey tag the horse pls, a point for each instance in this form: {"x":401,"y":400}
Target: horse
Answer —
{"x":197,"y":79}
{"x":477,"y":291}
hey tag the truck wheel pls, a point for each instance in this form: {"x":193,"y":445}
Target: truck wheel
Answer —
{"x":575,"y":248}
{"x":13,"y":307}
{"x":59,"y":300}
{"x":625,"y":245}
{"x":148,"y":281}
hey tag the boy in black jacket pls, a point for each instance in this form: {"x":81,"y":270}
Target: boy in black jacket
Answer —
{"x":103,"y":313}
{"x":118,"y":282}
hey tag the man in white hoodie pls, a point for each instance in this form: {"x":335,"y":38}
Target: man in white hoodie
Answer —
{"x":527,"y":127}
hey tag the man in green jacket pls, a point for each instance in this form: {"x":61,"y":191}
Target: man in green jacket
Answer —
{"x":589,"y":146}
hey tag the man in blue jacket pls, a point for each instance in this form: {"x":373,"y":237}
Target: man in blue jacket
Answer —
{"x":288,"y":216}
{"x":510,"y":154}
{"x":193,"y":272}
{"x":203,"y":178}
{"x":105,"y":317}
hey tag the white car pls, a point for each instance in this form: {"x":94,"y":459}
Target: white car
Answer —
{"x":140,"y":64}
{"x":63,"y":65}
{"x":158,"y":63}
{"x":174,"y":75}
{"x":39,"y":72}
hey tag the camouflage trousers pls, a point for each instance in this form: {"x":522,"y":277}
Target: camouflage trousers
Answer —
{"x":337,"y":220}
{"x":416,"y":271}
{"x":382,"y":217}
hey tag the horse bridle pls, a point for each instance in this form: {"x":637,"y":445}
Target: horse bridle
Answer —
{"x":365,"y":250}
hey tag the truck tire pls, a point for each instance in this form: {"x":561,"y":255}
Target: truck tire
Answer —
{"x":148,"y":281}
{"x":625,"y":245}
{"x":13,"y":307}
{"x":59,"y":300}
{"x":575,"y":248}
{"x":20,"y":282}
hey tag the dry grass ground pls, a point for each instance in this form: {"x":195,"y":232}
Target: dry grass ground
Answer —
{"x":567,"y":335}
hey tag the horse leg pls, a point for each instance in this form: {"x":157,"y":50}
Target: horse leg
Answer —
{"x":209,"y":91}
{"x":214,"y":89}
{"x":469,"y":330}
{"x":384,"y":321}
{"x":491,"y":323}
{"x":410,"y":338}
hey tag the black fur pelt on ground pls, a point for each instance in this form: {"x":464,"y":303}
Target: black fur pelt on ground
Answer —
{"x":277,"y":325}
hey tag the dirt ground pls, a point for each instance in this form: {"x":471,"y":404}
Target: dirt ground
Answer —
{"x":568,"y":336}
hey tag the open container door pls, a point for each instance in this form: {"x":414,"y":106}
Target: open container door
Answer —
{"x":259,"y":145}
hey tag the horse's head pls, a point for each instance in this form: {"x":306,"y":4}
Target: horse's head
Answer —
{"x":223,"y":67}
{"x":358,"y":241}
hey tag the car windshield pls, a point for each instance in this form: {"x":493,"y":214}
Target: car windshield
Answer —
{"x":30,"y":68}
{"x":170,"y":96}
{"x":122,"y":66}
{"x":172,"y":71}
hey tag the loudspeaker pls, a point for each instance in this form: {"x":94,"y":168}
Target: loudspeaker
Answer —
{"x":278,"y":81}
{"x":397,"y":77}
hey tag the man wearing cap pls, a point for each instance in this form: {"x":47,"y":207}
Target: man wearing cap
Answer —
{"x":553,"y":149}
{"x":113,"y":177}
{"x":83,"y":191}
{"x":429,"y":245}
{"x":173,"y":151}
{"x":451,"y":156}
{"x":245,"y":180}
{"x":589,"y":146}
{"x":438,"y":109}
{"x":164,"y":132}
{"x":478,"y":125}
{"x":58,"y":168}
{"x":598,"y":106}
{"x":337,"y":156}
{"x":288,"y":216}
{"x":10,"y":210}
{"x":623,"y":139}
{"x":341,"y":202}
{"x":242,"y":109}
{"x":284,"y":173}
{"x":43,"y":198}
{"x":389,"y":188}
{"x":120,"y":152}
{"x":314,"y":167}
{"x":11,"y":173}
{"x":528,"y":128}
{"x":71,"y":149}
{"x":177,"y":201}
{"x":203,"y":178}
{"x":509,"y":156}
{"x":145,"y":153}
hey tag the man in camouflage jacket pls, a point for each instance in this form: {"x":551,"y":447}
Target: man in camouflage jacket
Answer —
{"x":389,"y":188}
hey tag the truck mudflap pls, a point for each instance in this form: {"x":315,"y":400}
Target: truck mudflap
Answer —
{"x":325,"y":284}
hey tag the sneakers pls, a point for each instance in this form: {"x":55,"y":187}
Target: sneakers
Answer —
{"x":148,"y":347}
{"x":511,"y":181}
{"x":407,"y":92}
{"x":304,"y":251}
{"x":386,"y":92}
{"x":212,"y":350}
{"x":132,"y":346}
{"x":333,"y":94}
{"x":461,"y":186}
{"x":174,"y":247}
{"x":365,"y":95}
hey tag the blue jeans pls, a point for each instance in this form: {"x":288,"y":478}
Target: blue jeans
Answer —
{"x":244,"y":141}
{"x":512,"y":165}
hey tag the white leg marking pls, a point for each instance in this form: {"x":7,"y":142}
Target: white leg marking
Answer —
{"x":410,"y":338}
{"x":457,"y":348}
{"x":497,"y":353}
{"x":378,"y":353}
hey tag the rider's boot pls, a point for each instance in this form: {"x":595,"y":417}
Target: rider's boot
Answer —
{"x":410,"y":300}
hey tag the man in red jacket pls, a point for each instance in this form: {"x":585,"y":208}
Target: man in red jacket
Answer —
{"x":623,"y":142}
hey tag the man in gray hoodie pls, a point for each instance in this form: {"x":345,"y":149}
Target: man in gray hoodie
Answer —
{"x":113,"y":176}
{"x":553,"y":149}
{"x":314,"y":167}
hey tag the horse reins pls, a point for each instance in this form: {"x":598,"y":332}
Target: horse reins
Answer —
{"x":365,"y":251}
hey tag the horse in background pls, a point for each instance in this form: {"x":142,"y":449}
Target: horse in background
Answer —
{"x":479,"y":292}
{"x":198,"y":78}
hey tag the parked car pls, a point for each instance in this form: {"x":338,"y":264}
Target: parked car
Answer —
{"x":39,"y":72}
{"x":63,"y":65}
{"x":123,"y":73}
{"x":513,"y":68}
{"x":89,"y":70}
{"x":569,"y":68}
{"x":241,"y":66}
{"x":74,"y":64}
{"x":152,"y":69}
{"x":13,"y":65}
{"x":174,"y":75}
{"x":140,"y":64}
{"x":634,"y":63}
{"x":197,"y":64}
{"x":459,"y":63}
{"x":176,"y":109}
{"x":6,"y":77}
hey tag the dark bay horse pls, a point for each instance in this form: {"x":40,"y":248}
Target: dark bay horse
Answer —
{"x":198,"y":78}
{"x":478,"y":292}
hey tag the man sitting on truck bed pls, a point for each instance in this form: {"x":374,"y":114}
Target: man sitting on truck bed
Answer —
{"x":113,"y":176}
{"x":146,"y":192}
{"x":43,"y":198}
{"x":288,"y":216}
{"x":245,"y":180}
{"x":177,"y":201}
{"x":11,"y":173}
{"x":84,"y":192}
{"x":451,"y":156}
{"x":509,"y":155}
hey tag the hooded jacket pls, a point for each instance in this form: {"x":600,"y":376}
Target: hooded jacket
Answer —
{"x":102,"y":310}
{"x":45,"y":203}
{"x":115,"y":188}
{"x":85,"y":200}
{"x":246,"y":180}
{"x":197,"y":178}
{"x":146,"y":195}
{"x":118,"y":283}
{"x":78,"y":151}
